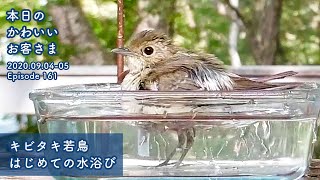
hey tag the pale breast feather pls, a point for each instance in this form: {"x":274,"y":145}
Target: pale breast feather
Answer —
{"x":211,"y":80}
{"x":131,"y":82}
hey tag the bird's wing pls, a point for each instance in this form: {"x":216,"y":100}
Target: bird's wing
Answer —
{"x":187,"y":79}
{"x":188,"y":72}
{"x":193,"y":73}
{"x":178,"y":80}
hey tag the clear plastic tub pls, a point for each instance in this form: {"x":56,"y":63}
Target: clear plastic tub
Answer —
{"x":256,"y":134}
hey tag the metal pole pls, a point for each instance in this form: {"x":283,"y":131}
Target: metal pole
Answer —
{"x":120,"y":39}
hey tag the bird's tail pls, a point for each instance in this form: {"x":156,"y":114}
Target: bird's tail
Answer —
{"x":263,"y":83}
{"x":276,"y":76}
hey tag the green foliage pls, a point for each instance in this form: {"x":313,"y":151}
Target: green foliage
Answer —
{"x":299,"y":33}
{"x":64,"y":51}
{"x":106,"y":28}
{"x":209,"y":22}
{"x":30,"y":126}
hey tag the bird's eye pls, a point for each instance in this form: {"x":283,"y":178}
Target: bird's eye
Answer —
{"x":148,"y":50}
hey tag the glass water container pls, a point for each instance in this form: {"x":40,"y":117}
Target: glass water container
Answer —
{"x":245,"y":134}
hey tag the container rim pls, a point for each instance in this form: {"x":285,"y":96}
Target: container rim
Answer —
{"x":114,"y":89}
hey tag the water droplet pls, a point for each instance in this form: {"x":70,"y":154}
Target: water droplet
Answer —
{"x":108,"y":86}
{"x":49,"y":95}
{"x":42,"y":120}
{"x":228,"y":109}
{"x":76,"y":102}
{"x":42,"y":106}
{"x":314,"y":139}
{"x":252,"y":101}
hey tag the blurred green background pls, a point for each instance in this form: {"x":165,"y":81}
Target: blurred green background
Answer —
{"x":246,"y":32}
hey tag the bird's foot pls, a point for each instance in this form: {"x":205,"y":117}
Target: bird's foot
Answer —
{"x":165,"y":163}
{"x":177,"y":164}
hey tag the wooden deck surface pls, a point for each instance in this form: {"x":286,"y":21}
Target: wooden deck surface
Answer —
{"x":312,"y":174}
{"x":314,"y":170}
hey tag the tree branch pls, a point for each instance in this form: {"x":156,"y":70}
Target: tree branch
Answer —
{"x":237,"y":12}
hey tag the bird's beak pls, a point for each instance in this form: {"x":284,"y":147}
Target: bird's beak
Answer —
{"x":123,"y":51}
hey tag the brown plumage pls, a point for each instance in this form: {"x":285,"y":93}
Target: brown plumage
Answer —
{"x":155,"y":63}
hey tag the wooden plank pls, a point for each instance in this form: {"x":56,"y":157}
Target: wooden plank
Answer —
{"x":78,"y":71}
{"x":14,"y":96}
{"x":314,"y":170}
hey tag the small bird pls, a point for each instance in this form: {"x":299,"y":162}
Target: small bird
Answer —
{"x":156,"y":64}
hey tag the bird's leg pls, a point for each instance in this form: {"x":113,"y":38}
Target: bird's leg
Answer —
{"x":190,"y":133}
{"x":181,"y":142}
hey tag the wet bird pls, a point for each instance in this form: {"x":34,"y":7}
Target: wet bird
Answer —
{"x":155,"y":63}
